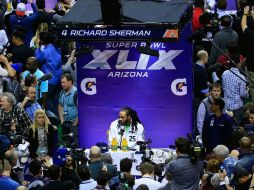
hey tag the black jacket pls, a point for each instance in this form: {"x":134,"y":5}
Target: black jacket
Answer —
{"x":34,"y":143}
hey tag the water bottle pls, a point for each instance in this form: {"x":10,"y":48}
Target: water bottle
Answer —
{"x":124,"y":145}
{"x":114,"y":144}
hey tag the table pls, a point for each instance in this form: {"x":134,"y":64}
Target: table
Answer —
{"x":159,"y":156}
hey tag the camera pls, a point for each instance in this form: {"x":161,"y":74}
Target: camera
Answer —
{"x":144,"y":148}
{"x":197,"y":151}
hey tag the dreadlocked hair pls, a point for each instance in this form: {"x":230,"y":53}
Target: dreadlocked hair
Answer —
{"x":134,"y":116}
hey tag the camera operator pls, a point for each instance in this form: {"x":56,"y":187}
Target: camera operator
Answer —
{"x":185,"y":172}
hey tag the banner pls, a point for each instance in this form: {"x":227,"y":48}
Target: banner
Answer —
{"x":115,"y":75}
{"x":130,"y":33}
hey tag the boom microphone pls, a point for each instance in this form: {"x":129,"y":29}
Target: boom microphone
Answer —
{"x":216,"y":66}
{"x":45,"y":77}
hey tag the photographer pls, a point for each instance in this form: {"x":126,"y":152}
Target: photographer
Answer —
{"x":185,"y":173}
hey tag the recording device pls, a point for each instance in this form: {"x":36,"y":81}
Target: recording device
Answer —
{"x":79,"y":155}
{"x":144,"y":148}
{"x":197,"y":151}
{"x":45,"y":77}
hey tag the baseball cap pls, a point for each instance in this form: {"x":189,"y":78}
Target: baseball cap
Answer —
{"x":103,"y":146}
{"x":21,"y":9}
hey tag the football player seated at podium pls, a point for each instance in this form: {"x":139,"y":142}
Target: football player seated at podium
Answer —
{"x":127,"y":128}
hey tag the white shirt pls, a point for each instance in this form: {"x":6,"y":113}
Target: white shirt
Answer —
{"x":3,"y":39}
{"x":151,"y":183}
{"x":88,"y":184}
{"x":132,"y":137}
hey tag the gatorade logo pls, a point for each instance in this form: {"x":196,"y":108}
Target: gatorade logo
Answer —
{"x":179,"y":87}
{"x":88,"y":86}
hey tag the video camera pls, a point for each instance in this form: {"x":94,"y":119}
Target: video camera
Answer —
{"x":144,"y":148}
{"x":197,"y":151}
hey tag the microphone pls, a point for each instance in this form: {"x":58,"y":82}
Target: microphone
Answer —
{"x":45,"y":77}
{"x":122,"y":130}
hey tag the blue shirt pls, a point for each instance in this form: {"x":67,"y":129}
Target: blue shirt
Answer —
{"x":44,"y":84}
{"x":31,"y":108}
{"x":51,"y":62}
{"x":66,"y":100}
{"x":6,"y":183}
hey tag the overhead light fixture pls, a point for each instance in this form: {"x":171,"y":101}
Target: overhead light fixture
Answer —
{"x":147,"y":50}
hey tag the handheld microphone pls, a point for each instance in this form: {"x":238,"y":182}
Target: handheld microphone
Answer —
{"x":45,"y":77}
{"x":122,"y":130}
